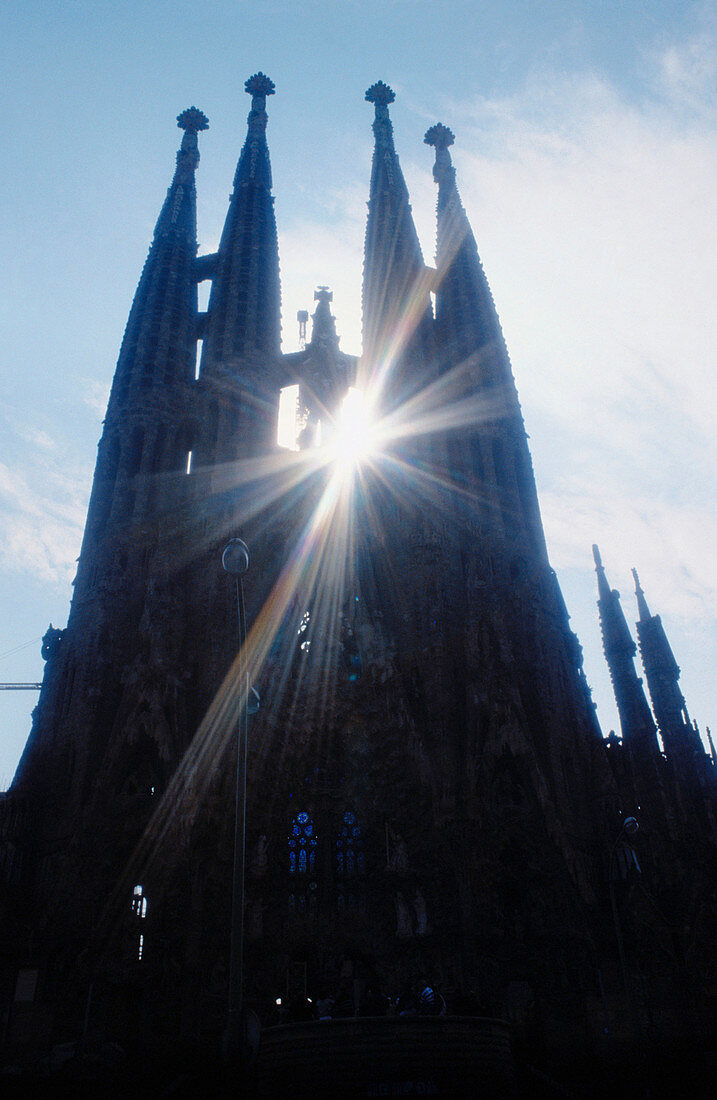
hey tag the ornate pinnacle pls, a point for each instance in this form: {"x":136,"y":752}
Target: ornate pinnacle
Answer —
{"x":259,"y":84}
{"x":440,"y":136}
{"x":192,"y":120}
{"x":380,"y":94}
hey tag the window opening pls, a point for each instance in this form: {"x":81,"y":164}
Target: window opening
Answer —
{"x":198,"y":359}
{"x":139,"y":902}
{"x":349,"y":847}
{"x":302,"y":845}
{"x":189,"y":462}
{"x":288,"y":422}
{"x":139,"y":910}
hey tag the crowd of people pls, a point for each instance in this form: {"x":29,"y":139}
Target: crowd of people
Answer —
{"x":415,"y":999}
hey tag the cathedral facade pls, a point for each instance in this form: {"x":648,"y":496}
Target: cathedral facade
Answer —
{"x":428,"y":792}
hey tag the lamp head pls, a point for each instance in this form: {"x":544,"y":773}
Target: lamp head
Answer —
{"x":235,"y":559}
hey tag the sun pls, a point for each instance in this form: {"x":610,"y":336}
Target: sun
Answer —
{"x":354,"y":437}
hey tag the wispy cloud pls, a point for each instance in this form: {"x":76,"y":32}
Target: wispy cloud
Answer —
{"x":42,"y":512}
{"x":597,"y":221}
{"x":96,"y":395}
{"x":37,"y":438}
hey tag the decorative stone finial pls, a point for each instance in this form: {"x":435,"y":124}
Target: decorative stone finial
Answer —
{"x":260,"y":84}
{"x":440,"y":136}
{"x":380,"y":94}
{"x":192,"y":120}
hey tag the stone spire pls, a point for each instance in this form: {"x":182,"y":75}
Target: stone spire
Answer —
{"x":160,"y":338}
{"x":243,"y":319}
{"x":466,"y":317}
{"x":145,"y":427}
{"x":474,"y":360}
{"x":638,"y":728}
{"x":397,"y":321}
{"x":323,"y":329}
{"x":662,"y":674}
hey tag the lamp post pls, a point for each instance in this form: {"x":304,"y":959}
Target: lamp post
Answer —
{"x":629,"y":827}
{"x":235,"y":561}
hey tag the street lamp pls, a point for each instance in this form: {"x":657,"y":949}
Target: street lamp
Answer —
{"x":235,"y":561}
{"x":630,"y":826}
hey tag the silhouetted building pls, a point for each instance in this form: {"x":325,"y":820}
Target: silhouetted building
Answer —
{"x":429,"y":792}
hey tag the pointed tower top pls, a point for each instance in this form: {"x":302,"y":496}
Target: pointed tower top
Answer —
{"x":642,"y":607}
{"x":604,"y":590}
{"x":158,"y":345}
{"x":243,"y":317}
{"x":259,"y":86}
{"x":324,"y":323}
{"x":380,"y":94}
{"x":441,"y":138}
{"x":397,"y":319}
{"x":192,"y":120}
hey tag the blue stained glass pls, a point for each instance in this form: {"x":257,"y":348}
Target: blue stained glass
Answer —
{"x":302,"y":837}
{"x":349,"y":856}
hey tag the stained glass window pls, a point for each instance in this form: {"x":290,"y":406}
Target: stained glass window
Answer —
{"x":349,"y":847}
{"x":302,"y":845}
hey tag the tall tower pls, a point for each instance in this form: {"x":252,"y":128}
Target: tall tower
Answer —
{"x":428,"y":790}
{"x":662,"y":672}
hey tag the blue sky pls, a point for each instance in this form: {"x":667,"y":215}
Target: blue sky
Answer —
{"x":586,"y":147}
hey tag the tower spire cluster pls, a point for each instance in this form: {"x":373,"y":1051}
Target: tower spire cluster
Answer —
{"x":428,"y":790}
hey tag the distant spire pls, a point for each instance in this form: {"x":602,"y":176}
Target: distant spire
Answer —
{"x":643,"y":609}
{"x":638,"y":728}
{"x":244,"y":307}
{"x":160,"y":338}
{"x":323,"y":322}
{"x":603,"y":587}
{"x":397,"y":322}
{"x":662,"y":673}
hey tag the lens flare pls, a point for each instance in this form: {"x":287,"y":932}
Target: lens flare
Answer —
{"x":363,"y":451}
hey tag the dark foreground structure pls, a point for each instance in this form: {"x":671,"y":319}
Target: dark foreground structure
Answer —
{"x":429,"y":801}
